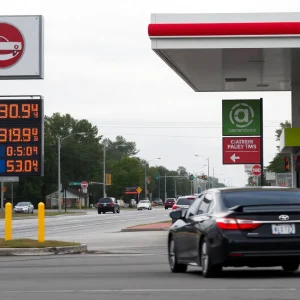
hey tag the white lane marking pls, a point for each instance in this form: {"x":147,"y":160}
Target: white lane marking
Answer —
{"x":150,"y":290}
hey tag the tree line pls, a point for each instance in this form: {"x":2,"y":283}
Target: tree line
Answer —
{"x":82,"y":160}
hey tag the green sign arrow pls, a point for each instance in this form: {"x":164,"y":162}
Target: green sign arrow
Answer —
{"x":241,"y":117}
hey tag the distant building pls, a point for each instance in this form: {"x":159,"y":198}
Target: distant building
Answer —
{"x":74,"y":199}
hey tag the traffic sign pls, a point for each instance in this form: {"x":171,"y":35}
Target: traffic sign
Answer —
{"x":241,"y":117}
{"x":12,"y":45}
{"x":9,"y":179}
{"x":74,"y":183}
{"x":256,"y":170}
{"x":131,"y":190}
{"x":84,"y":184}
{"x":139,"y":190}
{"x":241,"y":150}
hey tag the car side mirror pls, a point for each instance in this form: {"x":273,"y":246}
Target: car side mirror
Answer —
{"x":176,"y":215}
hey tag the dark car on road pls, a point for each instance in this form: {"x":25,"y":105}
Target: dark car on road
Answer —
{"x":237,"y":227}
{"x":169,"y":202}
{"x":108,"y":204}
{"x":157,"y":202}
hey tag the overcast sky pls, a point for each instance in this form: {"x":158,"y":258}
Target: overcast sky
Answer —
{"x":99,"y":65}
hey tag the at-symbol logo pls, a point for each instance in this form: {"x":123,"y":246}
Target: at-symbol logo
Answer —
{"x":241,"y":115}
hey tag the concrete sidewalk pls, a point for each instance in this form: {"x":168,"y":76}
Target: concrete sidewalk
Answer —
{"x":161,"y":226}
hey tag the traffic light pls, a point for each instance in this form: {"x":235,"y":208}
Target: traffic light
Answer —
{"x":157,"y":177}
{"x":108,"y":179}
{"x":286,"y":163}
{"x":297,"y":163}
{"x":191,"y":177}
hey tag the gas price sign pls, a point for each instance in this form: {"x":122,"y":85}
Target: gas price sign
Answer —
{"x":21,"y":136}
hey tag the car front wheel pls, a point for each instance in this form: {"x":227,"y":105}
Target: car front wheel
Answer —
{"x":173,"y":261}
{"x":293,"y":267}
{"x":208,"y":270}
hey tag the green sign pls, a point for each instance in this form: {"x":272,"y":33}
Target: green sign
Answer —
{"x":75,"y":183}
{"x":241,"y":117}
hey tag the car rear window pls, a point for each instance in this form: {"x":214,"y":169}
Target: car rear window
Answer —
{"x":185,"y":201}
{"x":105,"y":200}
{"x":231,"y":199}
{"x":170,"y":200}
{"x":144,"y":201}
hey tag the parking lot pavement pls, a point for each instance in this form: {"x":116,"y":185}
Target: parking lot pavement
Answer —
{"x":134,"y":277}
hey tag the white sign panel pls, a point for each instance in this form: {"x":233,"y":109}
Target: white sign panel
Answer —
{"x":21,"y":47}
{"x":9,"y":179}
{"x":270,"y":176}
{"x":248,"y":168}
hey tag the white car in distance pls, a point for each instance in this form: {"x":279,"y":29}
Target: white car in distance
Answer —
{"x":144,"y":204}
{"x":24,"y":207}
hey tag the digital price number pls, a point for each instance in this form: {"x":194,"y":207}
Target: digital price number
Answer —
{"x":21,"y":137}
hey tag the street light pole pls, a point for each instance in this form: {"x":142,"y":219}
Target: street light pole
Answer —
{"x":146,"y":187}
{"x":59,"y":141}
{"x":197,"y":155}
{"x":166,"y":186}
{"x":159,"y":187}
{"x":58,"y":175}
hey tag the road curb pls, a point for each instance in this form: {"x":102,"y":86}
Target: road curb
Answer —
{"x":43,"y":251}
{"x":143,"y":229}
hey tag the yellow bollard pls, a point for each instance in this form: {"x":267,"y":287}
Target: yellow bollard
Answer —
{"x":8,"y":222}
{"x":41,"y":222}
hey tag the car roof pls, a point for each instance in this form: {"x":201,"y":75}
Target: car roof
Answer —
{"x":252,"y":188}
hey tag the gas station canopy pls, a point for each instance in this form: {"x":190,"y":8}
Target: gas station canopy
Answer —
{"x":230,"y":52}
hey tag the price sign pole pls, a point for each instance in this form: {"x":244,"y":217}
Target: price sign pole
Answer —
{"x":2,"y":196}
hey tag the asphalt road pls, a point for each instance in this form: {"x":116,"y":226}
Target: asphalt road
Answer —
{"x":134,"y":277}
{"x":99,"y":232}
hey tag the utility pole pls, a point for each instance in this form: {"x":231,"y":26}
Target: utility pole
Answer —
{"x":104,"y":171}
{"x":175,"y":187}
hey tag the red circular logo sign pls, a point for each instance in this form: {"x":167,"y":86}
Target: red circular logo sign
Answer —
{"x":256,"y":170}
{"x":84,"y":184}
{"x":11,"y":45}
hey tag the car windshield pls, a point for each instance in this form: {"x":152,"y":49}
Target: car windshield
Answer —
{"x":105,"y":200}
{"x":23,"y":204}
{"x":260,"y":198}
{"x":144,"y":201}
{"x":185,"y":201}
